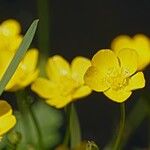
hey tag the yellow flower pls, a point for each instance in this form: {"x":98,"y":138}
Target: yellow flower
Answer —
{"x":10,"y":37}
{"x":65,"y":82}
{"x":115,"y":75}
{"x":7,"y":120}
{"x":139,"y":42}
{"x":26,"y":71}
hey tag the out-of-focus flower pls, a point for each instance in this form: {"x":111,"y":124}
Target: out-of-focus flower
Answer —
{"x":7,"y":120}
{"x":65,"y":83}
{"x":139,"y":42}
{"x":10,"y":37}
{"x":26,"y":71}
{"x":115,"y":75}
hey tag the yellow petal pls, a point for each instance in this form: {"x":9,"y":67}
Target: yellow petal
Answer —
{"x":14,"y":42}
{"x":128,"y":60}
{"x":5,"y":59}
{"x":59,"y":101}
{"x":95,"y":80}
{"x":57,"y":66}
{"x":79,"y":66}
{"x":44,"y":88}
{"x":5,"y":109}
{"x":118,"y":95}
{"x":105,"y":61}
{"x":120,"y":42}
{"x":29,"y":62}
{"x":10,"y":27}
{"x":137,"y":81}
{"x":142,"y":46}
{"x":139,"y":42}
{"x":6,"y":123}
{"x":20,"y":81}
{"x":82,"y":92}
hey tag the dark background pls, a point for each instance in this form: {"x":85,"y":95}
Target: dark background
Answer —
{"x":81,"y":27}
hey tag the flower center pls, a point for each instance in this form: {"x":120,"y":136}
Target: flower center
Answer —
{"x":117,"y":79}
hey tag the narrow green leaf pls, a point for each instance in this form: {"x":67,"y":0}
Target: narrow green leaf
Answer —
{"x":19,"y":55}
{"x":75,"y":133}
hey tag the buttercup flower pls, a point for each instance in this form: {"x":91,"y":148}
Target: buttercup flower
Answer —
{"x":139,"y":42}
{"x":10,"y":37}
{"x":26,"y":71}
{"x":115,"y":75}
{"x":65,"y":82}
{"x":7,"y":120}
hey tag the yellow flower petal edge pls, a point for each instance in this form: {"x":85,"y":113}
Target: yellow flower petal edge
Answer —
{"x":57,"y":66}
{"x":95,"y":80}
{"x":79,"y":65}
{"x":118,"y":96}
{"x":128,"y":60}
{"x":139,"y":42}
{"x":10,"y":27}
{"x":26,"y":72}
{"x":133,"y":84}
{"x":7,"y":120}
{"x":115,"y":81}
{"x":65,"y":81}
{"x":44,"y":88}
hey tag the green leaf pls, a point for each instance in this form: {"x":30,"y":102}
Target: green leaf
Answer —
{"x":18,"y":56}
{"x":49,"y":121}
{"x":75,"y":133}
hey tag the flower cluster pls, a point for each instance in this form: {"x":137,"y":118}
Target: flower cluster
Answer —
{"x":115,"y":72}
{"x":10,"y":39}
{"x":26,"y":73}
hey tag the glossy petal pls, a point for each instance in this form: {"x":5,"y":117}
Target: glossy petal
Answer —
{"x":5,"y":109}
{"x":14,"y":42}
{"x":142,"y":46}
{"x":139,"y":42}
{"x":57,"y":66}
{"x":21,"y":80}
{"x":25,"y":73}
{"x":5,"y":59}
{"x":45,"y":88}
{"x":121,"y":42}
{"x":59,"y":101}
{"x":79,"y":66}
{"x":7,"y":120}
{"x":29,"y":62}
{"x":6,"y":123}
{"x":95,"y":80}
{"x":128,"y":60}
{"x":137,"y":81}
{"x":105,"y":61}
{"x":82,"y":92}
{"x":10,"y":27}
{"x":118,"y":95}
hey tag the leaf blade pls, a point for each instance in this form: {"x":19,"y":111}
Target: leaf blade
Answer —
{"x":19,"y":55}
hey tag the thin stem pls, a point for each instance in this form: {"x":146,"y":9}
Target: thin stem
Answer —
{"x":121,"y":127}
{"x":44,"y":32}
{"x":67,"y":133}
{"x":23,"y":103}
{"x":73,"y":133}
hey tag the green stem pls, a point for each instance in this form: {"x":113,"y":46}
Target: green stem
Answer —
{"x":67,"y":133}
{"x":73,"y":133}
{"x":23,"y":103}
{"x":44,"y":32}
{"x":121,"y":128}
